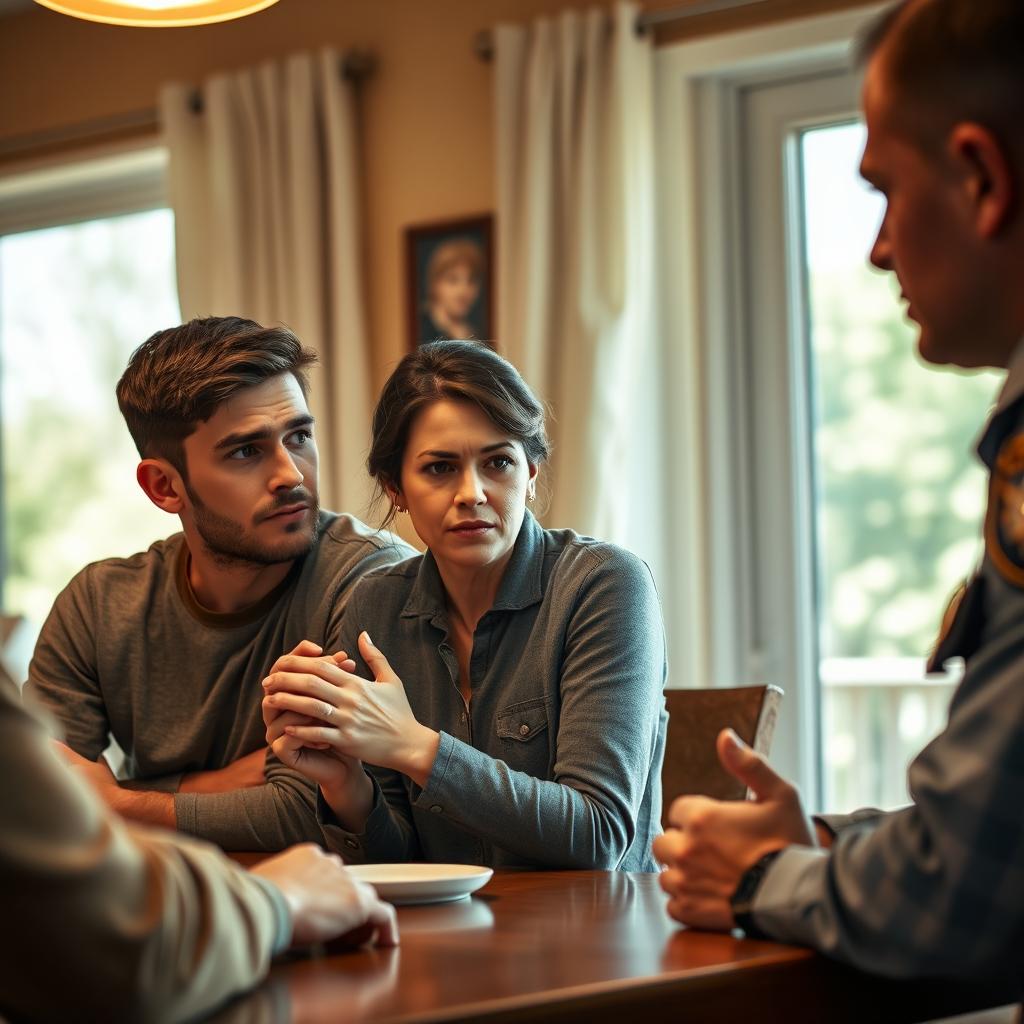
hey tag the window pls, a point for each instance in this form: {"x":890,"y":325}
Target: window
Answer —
{"x":839,"y":497}
{"x":898,"y":495}
{"x":86,"y":275}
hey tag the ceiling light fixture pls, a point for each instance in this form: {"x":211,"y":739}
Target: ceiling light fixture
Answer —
{"x":157,"y":13}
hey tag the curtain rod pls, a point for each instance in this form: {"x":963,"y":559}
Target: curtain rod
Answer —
{"x":483,"y":42}
{"x":354,"y":66}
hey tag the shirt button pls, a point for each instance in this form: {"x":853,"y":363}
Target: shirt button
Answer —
{"x":436,"y":809}
{"x":351,"y":844}
{"x":462,"y":718}
{"x":524,"y":730}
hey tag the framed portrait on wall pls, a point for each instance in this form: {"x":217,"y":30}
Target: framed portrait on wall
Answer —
{"x":450,"y":268}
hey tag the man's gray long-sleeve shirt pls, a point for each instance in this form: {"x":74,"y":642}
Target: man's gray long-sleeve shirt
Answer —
{"x":557,"y":760}
{"x":128,"y":652}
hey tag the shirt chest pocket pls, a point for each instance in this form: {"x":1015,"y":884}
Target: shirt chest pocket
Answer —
{"x":520,"y":728}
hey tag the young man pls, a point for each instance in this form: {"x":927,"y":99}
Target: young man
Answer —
{"x":936,"y":888}
{"x":166,"y":650}
{"x":107,"y":921}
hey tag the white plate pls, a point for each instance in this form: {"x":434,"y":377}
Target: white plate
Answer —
{"x":422,"y":883}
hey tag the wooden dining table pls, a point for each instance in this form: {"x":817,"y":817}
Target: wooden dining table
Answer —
{"x":569,"y":946}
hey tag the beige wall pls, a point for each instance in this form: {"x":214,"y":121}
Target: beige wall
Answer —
{"x":426,"y":111}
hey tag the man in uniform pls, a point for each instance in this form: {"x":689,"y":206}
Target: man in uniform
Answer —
{"x":166,"y":650}
{"x":936,"y":888}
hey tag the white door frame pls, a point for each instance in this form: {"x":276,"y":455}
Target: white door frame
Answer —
{"x":733,"y":309}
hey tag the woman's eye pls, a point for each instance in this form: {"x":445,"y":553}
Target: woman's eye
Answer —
{"x":502,"y":462}
{"x":437,"y":468}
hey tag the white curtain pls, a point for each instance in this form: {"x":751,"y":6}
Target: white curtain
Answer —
{"x":264,"y":186}
{"x":575,"y":266}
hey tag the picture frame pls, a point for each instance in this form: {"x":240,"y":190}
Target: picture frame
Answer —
{"x":450,"y":280}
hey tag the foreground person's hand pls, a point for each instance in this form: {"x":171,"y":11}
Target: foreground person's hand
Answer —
{"x":711,"y":843}
{"x":325,"y":900}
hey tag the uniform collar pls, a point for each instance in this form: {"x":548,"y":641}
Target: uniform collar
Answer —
{"x":1000,"y":422}
{"x":521,"y":586}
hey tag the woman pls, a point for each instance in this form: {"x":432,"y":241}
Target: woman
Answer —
{"x":510,"y":699}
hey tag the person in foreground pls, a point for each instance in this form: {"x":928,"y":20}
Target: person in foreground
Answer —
{"x":110,"y":921}
{"x":936,"y":888}
{"x":165,"y":651}
{"x":511,"y":697}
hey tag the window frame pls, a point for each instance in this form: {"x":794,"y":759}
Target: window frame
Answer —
{"x":90,"y":186}
{"x":733,"y":300}
{"x":103,"y":182}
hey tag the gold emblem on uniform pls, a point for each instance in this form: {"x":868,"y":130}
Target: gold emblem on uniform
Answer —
{"x":1004,"y":525}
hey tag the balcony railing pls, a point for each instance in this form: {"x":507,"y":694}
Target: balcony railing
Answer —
{"x":877,"y":714}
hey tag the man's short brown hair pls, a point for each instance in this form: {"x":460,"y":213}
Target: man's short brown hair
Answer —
{"x":179,"y":377}
{"x":963,"y":59}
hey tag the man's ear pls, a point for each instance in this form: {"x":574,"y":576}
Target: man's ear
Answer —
{"x":988,"y":176}
{"x":162,"y":484}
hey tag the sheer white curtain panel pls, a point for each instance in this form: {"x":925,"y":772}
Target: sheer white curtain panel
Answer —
{"x":264,"y":185}
{"x":576,"y":283}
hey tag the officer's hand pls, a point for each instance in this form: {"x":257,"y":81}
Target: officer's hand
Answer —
{"x":711,"y":843}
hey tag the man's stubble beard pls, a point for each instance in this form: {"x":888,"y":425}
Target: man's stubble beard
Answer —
{"x":229,"y":545}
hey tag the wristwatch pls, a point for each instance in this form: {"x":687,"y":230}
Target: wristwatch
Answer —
{"x":742,"y":900}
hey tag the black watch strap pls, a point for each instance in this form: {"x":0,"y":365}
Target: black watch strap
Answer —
{"x":742,"y":900}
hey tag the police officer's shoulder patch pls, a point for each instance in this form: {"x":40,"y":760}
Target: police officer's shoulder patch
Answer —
{"x":1004,"y":523}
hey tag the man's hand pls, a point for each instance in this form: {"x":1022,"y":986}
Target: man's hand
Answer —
{"x":345,"y":786}
{"x":325,"y":900}
{"x":711,"y":843}
{"x":304,"y":649}
{"x":370,"y":720}
{"x":246,"y":772}
{"x":97,"y":773}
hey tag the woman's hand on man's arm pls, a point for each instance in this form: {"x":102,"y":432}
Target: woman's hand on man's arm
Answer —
{"x":369,"y":720}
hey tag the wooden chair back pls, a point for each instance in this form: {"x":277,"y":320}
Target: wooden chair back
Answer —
{"x":695,"y":719}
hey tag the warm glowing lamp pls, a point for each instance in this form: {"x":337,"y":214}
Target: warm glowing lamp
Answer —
{"x":157,"y":13}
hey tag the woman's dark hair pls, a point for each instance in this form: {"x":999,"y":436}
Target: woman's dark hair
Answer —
{"x":461,"y":371}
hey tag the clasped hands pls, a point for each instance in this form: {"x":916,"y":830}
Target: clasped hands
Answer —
{"x":324,"y":720}
{"x":711,"y":843}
